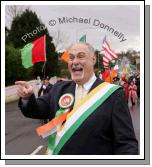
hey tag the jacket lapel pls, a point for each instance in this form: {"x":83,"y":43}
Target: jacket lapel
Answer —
{"x":71,"y":88}
{"x":95,"y":84}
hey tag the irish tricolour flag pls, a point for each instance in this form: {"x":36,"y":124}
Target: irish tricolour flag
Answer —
{"x":34,"y":52}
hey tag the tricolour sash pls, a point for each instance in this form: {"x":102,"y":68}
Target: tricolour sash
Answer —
{"x":81,"y":112}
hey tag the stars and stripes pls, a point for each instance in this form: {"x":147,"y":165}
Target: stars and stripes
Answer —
{"x":108,"y":54}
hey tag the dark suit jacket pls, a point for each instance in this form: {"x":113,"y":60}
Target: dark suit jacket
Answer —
{"x":46,"y":90}
{"x":108,"y":130}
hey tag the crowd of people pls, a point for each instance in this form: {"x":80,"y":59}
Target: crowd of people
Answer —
{"x":131,"y":87}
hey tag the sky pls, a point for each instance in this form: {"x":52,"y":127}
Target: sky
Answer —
{"x":119,"y":23}
{"x":123,"y":19}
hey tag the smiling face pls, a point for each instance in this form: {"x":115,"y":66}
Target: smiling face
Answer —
{"x":81,"y":63}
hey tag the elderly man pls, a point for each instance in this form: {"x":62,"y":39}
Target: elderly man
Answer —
{"x":96,"y":122}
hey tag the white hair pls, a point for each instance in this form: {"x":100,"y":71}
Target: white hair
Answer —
{"x":90,"y":47}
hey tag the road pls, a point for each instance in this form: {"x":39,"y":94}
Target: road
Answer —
{"x":21,"y":137}
{"x":135,"y":115}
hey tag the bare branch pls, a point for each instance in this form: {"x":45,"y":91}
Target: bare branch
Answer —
{"x":60,"y":40}
{"x":12,"y":11}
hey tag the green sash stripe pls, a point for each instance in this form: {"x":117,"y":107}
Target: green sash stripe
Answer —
{"x":76,"y":125}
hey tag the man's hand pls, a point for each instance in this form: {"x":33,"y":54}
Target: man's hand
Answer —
{"x":24,"y":90}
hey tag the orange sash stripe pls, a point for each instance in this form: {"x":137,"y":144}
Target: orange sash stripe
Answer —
{"x":53,"y":123}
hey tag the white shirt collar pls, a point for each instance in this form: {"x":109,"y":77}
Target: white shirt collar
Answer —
{"x":88,"y":85}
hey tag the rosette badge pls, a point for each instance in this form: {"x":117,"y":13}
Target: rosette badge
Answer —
{"x":66,"y":100}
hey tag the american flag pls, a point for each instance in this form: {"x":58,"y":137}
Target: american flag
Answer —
{"x":108,"y":54}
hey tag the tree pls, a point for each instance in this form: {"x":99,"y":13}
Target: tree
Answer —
{"x":131,"y":55}
{"x":26,"y":28}
{"x":12,"y":11}
{"x":99,"y":61}
{"x":13,"y":68}
{"x":60,"y":40}
{"x":6,"y":35}
{"x":64,"y":73}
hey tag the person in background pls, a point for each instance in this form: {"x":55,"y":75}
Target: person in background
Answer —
{"x":138,"y":85}
{"x":132,"y":92}
{"x":38,"y":83}
{"x":45,"y":86}
{"x":116,"y":80}
{"x":44,"y":89}
{"x":125,"y":88}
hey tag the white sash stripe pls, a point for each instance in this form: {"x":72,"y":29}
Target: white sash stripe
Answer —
{"x":76,"y":115}
{"x":51,"y":131}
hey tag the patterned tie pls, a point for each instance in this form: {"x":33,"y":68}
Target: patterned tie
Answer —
{"x":79,"y":94}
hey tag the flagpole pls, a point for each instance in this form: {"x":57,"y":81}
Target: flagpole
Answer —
{"x":102,"y":46}
{"x":43,"y":68}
